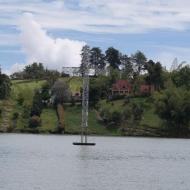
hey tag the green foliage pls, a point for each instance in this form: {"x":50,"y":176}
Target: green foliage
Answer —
{"x":26,"y":111}
{"x":112,"y":118}
{"x":37,"y":105}
{"x":15,"y":116}
{"x":113,"y":76}
{"x":51,"y":76}
{"x":5,"y":86}
{"x":45,"y":92}
{"x":140,"y":60}
{"x":181,"y":77}
{"x":34,"y":121}
{"x":132,"y":114}
{"x":128,"y":70}
{"x":97,"y":59}
{"x":20,"y":98}
{"x":173,"y":107}
{"x":48,"y":120}
{"x":113,"y":57}
{"x":99,"y":88}
{"x":155,"y":74}
{"x":34,"y":71}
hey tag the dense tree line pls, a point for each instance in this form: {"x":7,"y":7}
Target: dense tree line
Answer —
{"x":36,"y":71}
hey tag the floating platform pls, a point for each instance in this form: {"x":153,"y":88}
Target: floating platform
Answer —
{"x":84,"y":144}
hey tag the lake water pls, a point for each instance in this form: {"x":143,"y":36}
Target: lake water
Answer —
{"x":47,"y":162}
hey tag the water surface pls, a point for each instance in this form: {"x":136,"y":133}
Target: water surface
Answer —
{"x":45,"y":162}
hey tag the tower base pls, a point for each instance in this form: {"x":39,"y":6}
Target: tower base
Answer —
{"x":84,"y":144}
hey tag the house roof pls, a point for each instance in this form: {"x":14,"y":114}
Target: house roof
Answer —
{"x":121,"y":85}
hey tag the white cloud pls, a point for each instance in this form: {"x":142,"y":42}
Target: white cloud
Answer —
{"x":40,"y":47}
{"x":105,"y":16}
{"x":14,"y":68}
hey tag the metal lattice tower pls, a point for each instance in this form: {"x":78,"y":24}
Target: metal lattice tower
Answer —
{"x":174,"y":65}
{"x":85,"y":94}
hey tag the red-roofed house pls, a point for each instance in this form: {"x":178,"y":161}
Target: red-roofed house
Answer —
{"x":121,"y":87}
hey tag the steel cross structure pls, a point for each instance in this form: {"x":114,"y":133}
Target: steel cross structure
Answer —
{"x":85,"y":94}
{"x":86,"y":54}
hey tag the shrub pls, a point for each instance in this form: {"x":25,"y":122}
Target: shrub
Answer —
{"x":26,"y":111}
{"x":15,"y":116}
{"x":20,"y":99}
{"x":34,"y":121}
{"x":173,"y":107}
{"x":111,"y":118}
{"x":116,"y":117}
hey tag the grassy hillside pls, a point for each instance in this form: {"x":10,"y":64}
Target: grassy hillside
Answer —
{"x":149,"y":117}
{"x":72,"y":113}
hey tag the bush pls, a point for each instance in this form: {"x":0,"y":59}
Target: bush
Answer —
{"x":173,"y":107}
{"x":116,"y":117}
{"x":15,"y":116}
{"x":117,"y":97}
{"x":34,"y":121}
{"x":26,"y":111}
{"x":20,"y":99}
{"x":111,"y":118}
{"x":37,"y":104}
{"x":132,"y":115}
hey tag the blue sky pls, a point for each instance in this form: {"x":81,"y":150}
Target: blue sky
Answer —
{"x":35,"y":30}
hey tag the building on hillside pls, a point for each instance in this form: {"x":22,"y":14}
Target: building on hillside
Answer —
{"x":121,"y":87}
{"x":146,"y":89}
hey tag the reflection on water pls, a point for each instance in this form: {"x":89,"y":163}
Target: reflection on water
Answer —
{"x":29,"y":162}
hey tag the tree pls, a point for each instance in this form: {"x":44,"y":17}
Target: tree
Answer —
{"x":155,"y":74}
{"x":173,"y":107}
{"x":37,"y":104}
{"x":127,"y":72}
{"x":5,"y":86}
{"x":99,"y":88}
{"x":140,"y":60}
{"x":132,"y":115}
{"x":181,"y":77}
{"x":51,"y":76}
{"x":113,"y":57}
{"x":34,"y":71}
{"x":45,"y":93}
{"x":97,"y":60}
{"x":61,"y":92}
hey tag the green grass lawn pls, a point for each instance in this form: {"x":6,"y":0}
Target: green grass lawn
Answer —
{"x":49,"y":120}
{"x":73,"y":122}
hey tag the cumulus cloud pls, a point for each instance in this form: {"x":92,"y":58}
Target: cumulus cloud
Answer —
{"x":14,"y":68}
{"x":54,"y":53}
